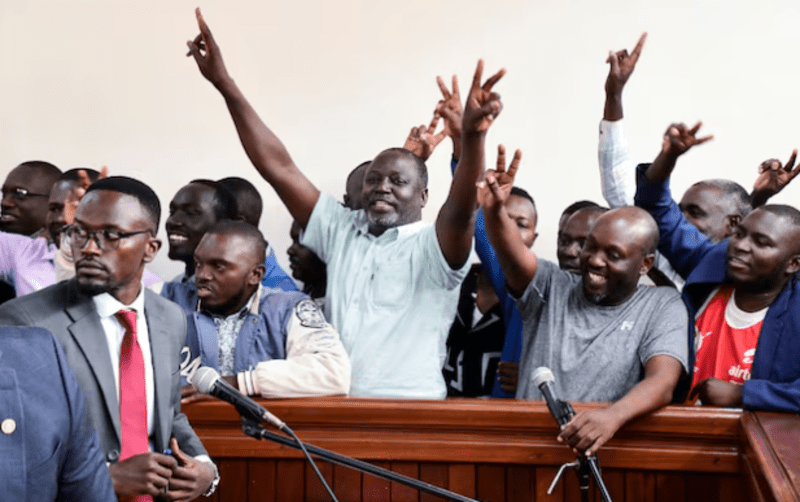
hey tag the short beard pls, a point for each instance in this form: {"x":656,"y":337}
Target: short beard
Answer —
{"x":92,"y":289}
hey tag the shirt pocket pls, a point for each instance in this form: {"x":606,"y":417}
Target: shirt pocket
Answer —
{"x":391,"y":284}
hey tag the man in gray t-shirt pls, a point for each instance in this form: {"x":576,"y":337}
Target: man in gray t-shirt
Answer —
{"x":604,"y":337}
{"x":596,"y":353}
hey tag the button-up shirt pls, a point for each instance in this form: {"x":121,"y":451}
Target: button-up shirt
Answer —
{"x":392,"y":298}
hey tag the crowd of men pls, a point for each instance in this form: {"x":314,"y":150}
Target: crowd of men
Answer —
{"x":651,"y":301}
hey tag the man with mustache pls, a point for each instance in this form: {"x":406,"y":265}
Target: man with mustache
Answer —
{"x":742,"y":293}
{"x":598,"y":332}
{"x":265,"y":342}
{"x":123,"y":343}
{"x":393,"y":281}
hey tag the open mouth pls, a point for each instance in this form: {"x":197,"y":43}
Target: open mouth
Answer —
{"x":594,"y":278}
{"x":177,"y":239}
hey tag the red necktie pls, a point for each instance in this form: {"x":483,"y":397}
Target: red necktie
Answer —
{"x":132,"y":394}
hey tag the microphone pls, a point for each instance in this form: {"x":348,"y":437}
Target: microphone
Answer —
{"x":206,"y":380}
{"x":561,"y":410}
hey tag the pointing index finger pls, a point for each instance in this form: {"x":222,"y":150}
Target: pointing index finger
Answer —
{"x":638,"y":49}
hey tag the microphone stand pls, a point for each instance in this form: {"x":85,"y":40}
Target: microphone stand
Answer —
{"x":256,"y":430}
{"x":587,"y":467}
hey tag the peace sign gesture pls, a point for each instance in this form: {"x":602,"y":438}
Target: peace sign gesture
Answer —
{"x":493,"y":191}
{"x":482,"y":105}
{"x":422,"y":141}
{"x":679,"y":138}
{"x":772,"y":178}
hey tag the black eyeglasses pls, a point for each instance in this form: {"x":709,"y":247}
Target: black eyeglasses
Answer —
{"x":106,"y":240}
{"x":20,"y":194}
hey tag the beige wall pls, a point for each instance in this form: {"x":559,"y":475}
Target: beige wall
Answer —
{"x":92,"y":83}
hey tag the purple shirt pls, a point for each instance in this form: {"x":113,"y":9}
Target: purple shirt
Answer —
{"x":26,"y":263}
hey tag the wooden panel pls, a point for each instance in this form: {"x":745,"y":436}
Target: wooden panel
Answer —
{"x":234,"y":472}
{"x":461,"y":478}
{"x":498,"y":450}
{"x":615,"y":483}
{"x":491,"y":482}
{"x":520,"y":482}
{"x":475,"y":431}
{"x":640,"y":486}
{"x":670,"y":486}
{"x":400,"y":492}
{"x":290,"y":480}
{"x":261,"y":481}
{"x":771,"y":456}
{"x":346,"y":484}
{"x":375,"y":489}
{"x":543,"y":477}
{"x":437,"y":475}
{"x":314,"y":489}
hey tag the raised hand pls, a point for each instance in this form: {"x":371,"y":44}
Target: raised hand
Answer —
{"x":422,"y":141}
{"x":493,"y":191}
{"x":482,"y":105}
{"x":772,"y":178}
{"x":679,"y":139}
{"x":207,"y":54}
{"x":77,"y":193}
{"x":453,"y":113}
{"x":621,"y":66}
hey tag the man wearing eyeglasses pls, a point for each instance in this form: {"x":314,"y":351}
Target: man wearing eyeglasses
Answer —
{"x":123,"y":342}
{"x":25,"y":193}
{"x":26,"y":262}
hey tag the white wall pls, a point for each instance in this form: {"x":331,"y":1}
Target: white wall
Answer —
{"x":92,"y":83}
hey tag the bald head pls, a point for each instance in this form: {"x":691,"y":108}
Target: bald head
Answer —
{"x":640,"y":226}
{"x":618,"y":251}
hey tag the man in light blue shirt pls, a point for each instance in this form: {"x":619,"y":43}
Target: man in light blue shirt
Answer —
{"x":393,"y":281}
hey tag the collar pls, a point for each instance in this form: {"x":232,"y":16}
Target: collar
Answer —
{"x":107,"y":305}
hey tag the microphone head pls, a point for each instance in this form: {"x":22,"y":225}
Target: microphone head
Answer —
{"x":203,"y":379}
{"x":541,"y":375}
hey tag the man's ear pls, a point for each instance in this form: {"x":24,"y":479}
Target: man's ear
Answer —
{"x":647,"y":263}
{"x":731,"y":222}
{"x":151,"y":249}
{"x":424,"y":196}
{"x":256,"y":274}
{"x":794,"y":265}
{"x":535,"y":235}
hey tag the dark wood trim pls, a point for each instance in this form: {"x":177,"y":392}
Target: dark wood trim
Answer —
{"x":771,"y":456}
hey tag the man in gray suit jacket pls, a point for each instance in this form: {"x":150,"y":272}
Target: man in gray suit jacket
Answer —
{"x":112,"y":239}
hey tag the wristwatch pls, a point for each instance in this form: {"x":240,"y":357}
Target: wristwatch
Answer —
{"x":214,"y":483}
